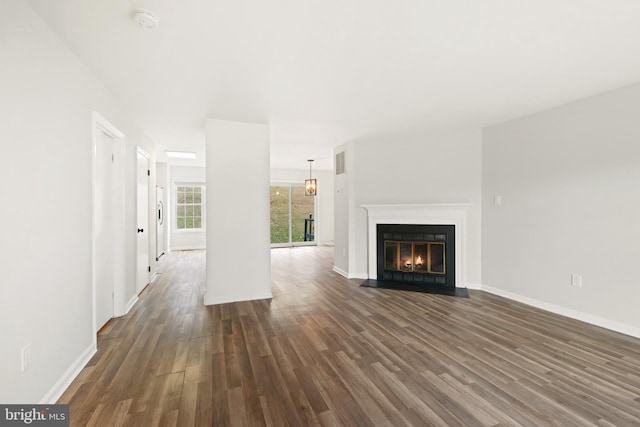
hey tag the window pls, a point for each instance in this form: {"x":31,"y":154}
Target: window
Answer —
{"x":190,"y":206}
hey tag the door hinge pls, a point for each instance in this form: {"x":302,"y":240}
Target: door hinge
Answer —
{"x":148,"y":172}
{"x":112,"y":158}
{"x":149,"y":268}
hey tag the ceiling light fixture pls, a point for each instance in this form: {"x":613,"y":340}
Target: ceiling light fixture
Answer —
{"x":310,"y":185}
{"x":146,"y":19}
{"x":180,"y":154}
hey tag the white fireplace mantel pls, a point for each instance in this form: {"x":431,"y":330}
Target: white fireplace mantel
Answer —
{"x":422,"y":214}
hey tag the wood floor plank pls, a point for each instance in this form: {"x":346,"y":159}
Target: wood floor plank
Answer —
{"x":311,"y":391}
{"x":327,"y":352}
{"x":237,"y":410}
{"x":187,"y":408}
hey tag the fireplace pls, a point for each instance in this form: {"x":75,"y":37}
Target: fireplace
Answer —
{"x":417,"y":254}
{"x":448,"y":215}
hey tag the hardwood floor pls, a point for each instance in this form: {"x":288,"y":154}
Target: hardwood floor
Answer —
{"x":327,"y":352}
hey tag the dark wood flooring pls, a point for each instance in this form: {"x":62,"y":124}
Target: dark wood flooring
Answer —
{"x":325,"y":351}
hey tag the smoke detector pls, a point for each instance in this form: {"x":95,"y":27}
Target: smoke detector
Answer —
{"x":146,"y":19}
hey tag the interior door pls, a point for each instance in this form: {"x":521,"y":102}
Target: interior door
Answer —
{"x":104,"y":229}
{"x":143,"y":264}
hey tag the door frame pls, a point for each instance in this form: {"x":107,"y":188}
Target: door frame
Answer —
{"x":140,"y":286}
{"x":100,"y":124}
{"x":290,"y":243}
{"x":161,"y":228}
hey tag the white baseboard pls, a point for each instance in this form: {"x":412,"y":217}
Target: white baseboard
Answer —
{"x":346,"y":275}
{"x":130,"y":304}
{"x":567,"y":312}
{"x":476,"y":286}
{"x":67,"y":378}
{"x":235,"y":298}
{"x":341,"y":272}
{"x":188,"y":248}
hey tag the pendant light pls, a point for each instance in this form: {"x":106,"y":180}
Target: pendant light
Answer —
{"x":310,"y":185}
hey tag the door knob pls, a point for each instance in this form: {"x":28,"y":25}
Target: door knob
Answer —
{"x":140,"y":230}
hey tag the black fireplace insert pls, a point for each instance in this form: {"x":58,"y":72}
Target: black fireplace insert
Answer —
{"x":416,"y":254}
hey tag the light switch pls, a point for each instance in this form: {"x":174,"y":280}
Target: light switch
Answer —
{"x":576,"y":280}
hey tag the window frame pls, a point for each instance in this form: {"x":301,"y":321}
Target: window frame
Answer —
{"x":203,"y":206}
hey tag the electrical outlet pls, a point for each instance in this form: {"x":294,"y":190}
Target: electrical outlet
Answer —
{"x":26,"y":357}
{"x":576,"y":280}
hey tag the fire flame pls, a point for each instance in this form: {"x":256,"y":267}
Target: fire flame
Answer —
{"x":419,"y":260}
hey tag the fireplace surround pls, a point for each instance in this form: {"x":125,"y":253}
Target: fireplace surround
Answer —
{"x":452,"y":214}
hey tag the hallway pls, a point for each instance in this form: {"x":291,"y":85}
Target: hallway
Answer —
{"x":327,"y":352}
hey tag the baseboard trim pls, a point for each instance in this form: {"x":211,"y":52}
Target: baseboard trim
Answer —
{"x":188,"y":248}
{"x":341,"y":272}
{"x":346,"y":275}
{"x":130,"y":304}
{"x":67,"y":378}
{"x":567,"y":312}
{"x":235,"y":298}
{"x":476,"y":286}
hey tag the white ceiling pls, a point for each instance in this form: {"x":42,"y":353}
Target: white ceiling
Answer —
{"x":324,"y":72}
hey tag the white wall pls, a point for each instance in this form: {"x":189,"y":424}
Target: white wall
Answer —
{"x":238,"y":212}
{"x":343,"y":211}
{"x":184,"y":239}
{"x":324,"y":199}
{"x":569,"y":182}
{"x":46,"y":107}
{"x":434,"y":167}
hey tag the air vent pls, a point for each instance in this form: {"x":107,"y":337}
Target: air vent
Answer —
{"x":340,"y":163}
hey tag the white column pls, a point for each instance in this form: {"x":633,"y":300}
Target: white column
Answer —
{"x":238,"y":212}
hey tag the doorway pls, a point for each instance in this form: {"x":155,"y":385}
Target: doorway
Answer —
{"x":143,"y":265}
{"x":160,"y":227}
{"x":108,"y":247}
{"x":104,"y":216}
{"x":292,"y":216}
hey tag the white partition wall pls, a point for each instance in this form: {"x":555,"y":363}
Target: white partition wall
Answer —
{"x":238,"y":241}
{"x":46,"y":133}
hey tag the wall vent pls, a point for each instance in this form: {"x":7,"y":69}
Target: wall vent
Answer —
{"x":340,"y":163}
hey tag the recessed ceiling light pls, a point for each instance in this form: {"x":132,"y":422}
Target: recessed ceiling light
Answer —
{"x":146,"y":19}
{"x":181,"y":154}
